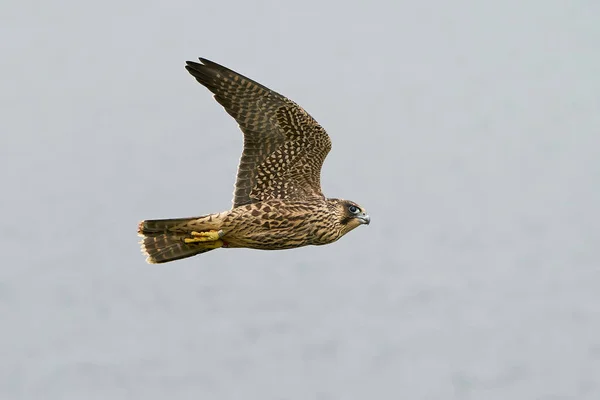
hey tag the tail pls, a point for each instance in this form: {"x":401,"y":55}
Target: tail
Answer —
{"x":163,"y":240}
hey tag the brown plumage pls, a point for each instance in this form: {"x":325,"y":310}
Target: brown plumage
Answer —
{"x":277,"y":203}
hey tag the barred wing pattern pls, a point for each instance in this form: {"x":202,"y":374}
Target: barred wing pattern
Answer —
{"x":284,"y":147}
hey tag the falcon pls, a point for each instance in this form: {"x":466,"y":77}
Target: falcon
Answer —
{"x":277,"y":201}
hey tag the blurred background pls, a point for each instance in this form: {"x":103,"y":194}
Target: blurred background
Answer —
{"x":468,"y":130}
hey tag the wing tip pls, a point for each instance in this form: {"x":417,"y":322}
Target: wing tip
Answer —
{"x":204,"y":63}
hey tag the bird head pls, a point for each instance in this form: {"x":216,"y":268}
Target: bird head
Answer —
{"x":350,"y":215}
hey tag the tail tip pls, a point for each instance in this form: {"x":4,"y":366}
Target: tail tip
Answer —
{"x":149,"y":258}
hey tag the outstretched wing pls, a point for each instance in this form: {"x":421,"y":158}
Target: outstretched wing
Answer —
{"x":284,"y":147}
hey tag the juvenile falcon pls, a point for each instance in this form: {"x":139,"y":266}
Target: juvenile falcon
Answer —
{"x":277,"y":201}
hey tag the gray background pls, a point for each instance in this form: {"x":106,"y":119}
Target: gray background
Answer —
{"x":469,"y":131}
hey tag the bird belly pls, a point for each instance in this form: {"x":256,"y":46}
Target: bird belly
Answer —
{"x":256,"y":236}
{"x":268,"y":228}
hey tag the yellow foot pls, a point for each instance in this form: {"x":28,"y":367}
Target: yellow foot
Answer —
{"x":213,"y":245}
{"x":209,"y":236}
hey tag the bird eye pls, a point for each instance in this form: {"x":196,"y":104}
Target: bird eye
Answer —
{"x":353,"y":209}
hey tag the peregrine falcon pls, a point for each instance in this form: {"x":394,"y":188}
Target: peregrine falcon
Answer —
{"x":277,"y":201}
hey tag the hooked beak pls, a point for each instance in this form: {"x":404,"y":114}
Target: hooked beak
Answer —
{"x":364,"y":218}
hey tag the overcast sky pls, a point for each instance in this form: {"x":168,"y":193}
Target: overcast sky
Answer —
{"x":468,"y":130}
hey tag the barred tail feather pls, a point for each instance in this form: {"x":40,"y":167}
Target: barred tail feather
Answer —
{"x":153,"y":226}
{"x":162,"y":240}
{"x":168,"y":247}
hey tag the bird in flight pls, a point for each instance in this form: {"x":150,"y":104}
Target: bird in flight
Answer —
{"x":277,"y":201}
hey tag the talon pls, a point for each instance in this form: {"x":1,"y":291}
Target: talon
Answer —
{"x":209,"y":236}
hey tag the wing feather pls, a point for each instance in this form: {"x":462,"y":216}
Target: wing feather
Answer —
{"x":284,"y":147}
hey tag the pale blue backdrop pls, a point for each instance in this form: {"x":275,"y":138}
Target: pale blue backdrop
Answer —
{"x":468,"y":129}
